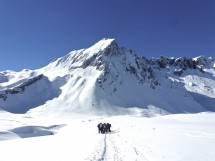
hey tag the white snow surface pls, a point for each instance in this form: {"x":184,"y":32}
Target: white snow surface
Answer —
{"x":164,"y":138}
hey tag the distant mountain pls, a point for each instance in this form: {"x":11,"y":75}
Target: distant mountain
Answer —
{"x":108,"y":79}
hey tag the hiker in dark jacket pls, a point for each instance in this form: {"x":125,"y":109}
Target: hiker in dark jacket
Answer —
{"x":99,"y":127}
{"x":104,"y":128}
{"x":108,"y":127}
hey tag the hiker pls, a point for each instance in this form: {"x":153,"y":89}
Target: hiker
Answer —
{"x":108,"y":127}
{"x":104,"y":128}
{"x":99,"y":127}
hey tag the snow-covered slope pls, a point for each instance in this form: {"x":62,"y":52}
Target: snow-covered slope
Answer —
{"x":180,"y":137}
{"x":108,"y":79}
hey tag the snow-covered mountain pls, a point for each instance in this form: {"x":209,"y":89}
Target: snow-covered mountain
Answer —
{"x":108,"y":79}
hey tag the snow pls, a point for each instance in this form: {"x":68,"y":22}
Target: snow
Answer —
{"x":100,"y":45}
{"x":165,"y":138}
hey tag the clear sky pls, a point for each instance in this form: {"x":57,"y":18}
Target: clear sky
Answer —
{"x":34,"y":32}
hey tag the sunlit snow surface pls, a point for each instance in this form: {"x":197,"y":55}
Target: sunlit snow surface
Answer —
{"x":181,"y":137}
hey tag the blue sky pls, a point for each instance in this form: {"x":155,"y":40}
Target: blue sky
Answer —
{"x":34,"y":32}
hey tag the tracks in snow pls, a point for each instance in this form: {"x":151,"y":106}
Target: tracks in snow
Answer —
{"x":111,"y":147}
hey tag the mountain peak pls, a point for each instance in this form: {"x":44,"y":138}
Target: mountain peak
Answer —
{"x":101,"y":45}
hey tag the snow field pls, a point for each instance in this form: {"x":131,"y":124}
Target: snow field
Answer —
{"x":166,"y":138}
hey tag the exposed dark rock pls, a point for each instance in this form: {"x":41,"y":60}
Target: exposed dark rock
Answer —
{"x":178,"y":72}
{"x":20,"y":88}
{"x":3,"y":96}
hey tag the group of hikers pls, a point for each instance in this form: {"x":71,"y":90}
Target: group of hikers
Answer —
{"x":104,"y":128}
